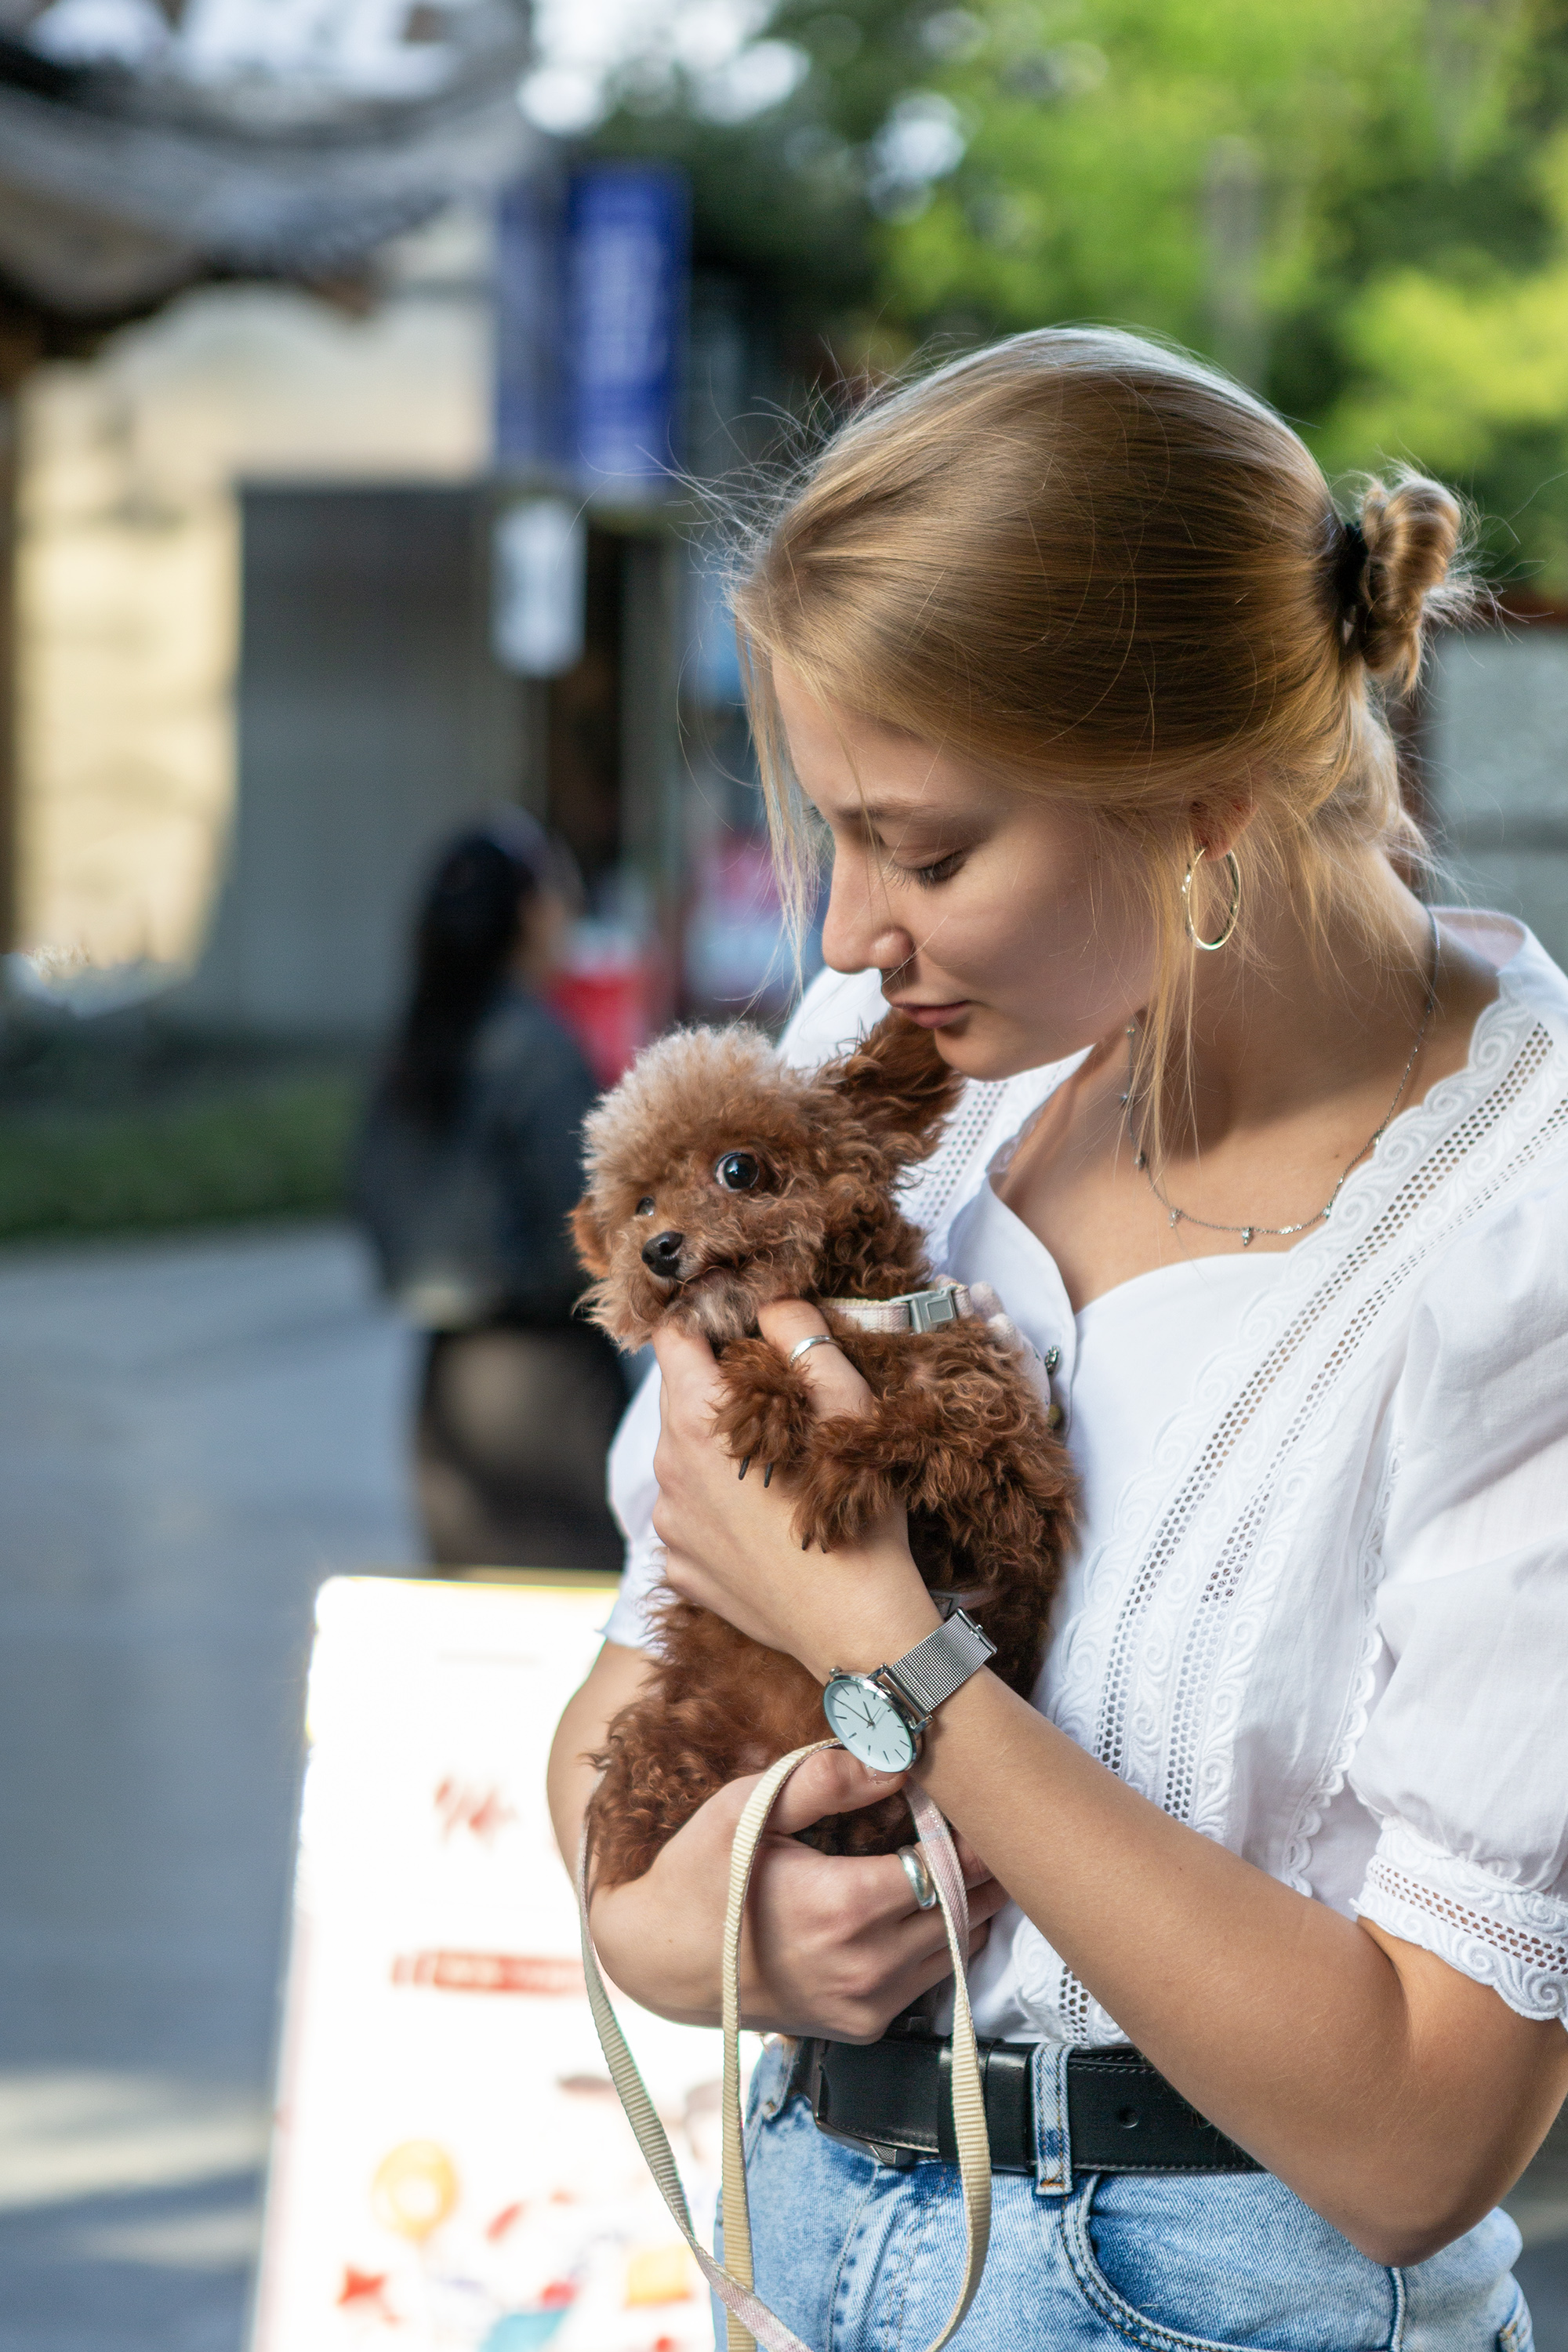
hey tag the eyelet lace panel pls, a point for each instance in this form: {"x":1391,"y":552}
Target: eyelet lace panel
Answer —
{"x":1195,"y":1609}
{"x":931,"y":1184}
{"x":936,"y":1189}
{"x":1510,"y":1937}
{"x":1229,"y":1567}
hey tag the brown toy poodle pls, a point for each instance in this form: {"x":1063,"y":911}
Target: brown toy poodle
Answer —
{"x":720,"y":1179}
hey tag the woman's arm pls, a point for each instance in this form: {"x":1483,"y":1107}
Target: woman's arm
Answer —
{"x":831,"y":1946}
{"x":1396,"y":2096}
{"x":614,"y":1680}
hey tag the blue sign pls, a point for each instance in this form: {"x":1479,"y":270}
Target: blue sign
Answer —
{"x":627,"y":267}
{"x":529,"y":420}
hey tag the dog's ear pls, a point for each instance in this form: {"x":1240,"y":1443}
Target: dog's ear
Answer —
{"x":897,"y":1083}
{"x":588,"y":1234}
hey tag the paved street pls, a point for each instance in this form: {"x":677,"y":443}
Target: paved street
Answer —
{"x":192,"y":1435}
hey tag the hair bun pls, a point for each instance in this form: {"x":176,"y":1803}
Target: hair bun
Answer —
{"x":1410,"y":535}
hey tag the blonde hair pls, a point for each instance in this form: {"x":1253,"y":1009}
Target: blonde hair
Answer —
{"x":1117,"y":577}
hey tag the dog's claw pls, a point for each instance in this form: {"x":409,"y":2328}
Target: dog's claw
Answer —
{"x":768,"y":1475}
{"x":745,"y":1465}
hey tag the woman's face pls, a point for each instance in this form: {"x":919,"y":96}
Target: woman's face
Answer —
{"x":1011,"y":926}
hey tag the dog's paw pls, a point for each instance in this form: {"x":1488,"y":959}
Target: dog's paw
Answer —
{"x":851,"y":1477}
{"x":766,"y":1414}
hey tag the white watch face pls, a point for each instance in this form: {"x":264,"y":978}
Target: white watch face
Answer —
{"x":865,"y":1718}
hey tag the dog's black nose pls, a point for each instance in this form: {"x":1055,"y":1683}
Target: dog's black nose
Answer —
{"x":662,"y":1254}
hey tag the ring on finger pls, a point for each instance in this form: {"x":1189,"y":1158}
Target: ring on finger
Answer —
{"x":923,"y":1887}
{"x":817,"y":1339}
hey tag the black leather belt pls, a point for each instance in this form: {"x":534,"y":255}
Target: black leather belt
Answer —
{"x":892,"y":2098}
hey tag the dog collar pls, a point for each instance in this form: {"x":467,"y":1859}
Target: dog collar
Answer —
{"x":915,"y":1310}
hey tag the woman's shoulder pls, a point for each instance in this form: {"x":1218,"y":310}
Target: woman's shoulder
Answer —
{"x":521,"y":1037}
{"x":836,"y":1008}
{"x":1490,"y":1307}
{"x":1476,"y":1179}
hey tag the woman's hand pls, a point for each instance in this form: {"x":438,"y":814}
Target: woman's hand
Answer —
{"x":832,"y":1945}
{"x":730,"y":1543}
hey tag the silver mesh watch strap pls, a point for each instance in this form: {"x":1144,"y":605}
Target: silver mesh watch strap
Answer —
{"x":942,"y":1664}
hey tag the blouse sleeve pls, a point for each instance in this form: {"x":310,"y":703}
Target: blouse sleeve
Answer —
{"x":634,"y":1490}
{"x":1465,"y":1758}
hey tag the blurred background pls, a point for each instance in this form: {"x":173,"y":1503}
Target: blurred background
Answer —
{"x":374,"y":375}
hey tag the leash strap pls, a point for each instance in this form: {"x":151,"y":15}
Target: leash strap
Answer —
{"x":751,"y":2323}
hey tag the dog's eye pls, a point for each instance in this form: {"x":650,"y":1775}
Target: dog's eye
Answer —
{"x":738,"y":1172}
{"x":644,"y":1206}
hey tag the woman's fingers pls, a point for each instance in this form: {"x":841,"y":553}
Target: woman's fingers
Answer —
{"x":835,"y":1384}
{"x":837,"y":1782}
{"x":836,"y":1944}
{"x":866,"y":2016}
{"x":870,"y":1895}
{"x":927,"y":1929}
{"x":833,"y":1782}
{"x":895,"y":1898}
{"x":689,"y":1386}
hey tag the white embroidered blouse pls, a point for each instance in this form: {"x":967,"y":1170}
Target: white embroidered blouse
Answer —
{"x":1318,"y":1606}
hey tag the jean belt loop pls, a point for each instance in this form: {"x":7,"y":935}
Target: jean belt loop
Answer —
{"x":1053,"y":2146}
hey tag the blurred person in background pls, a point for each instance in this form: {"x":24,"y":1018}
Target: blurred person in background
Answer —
{"x":465,"y":1170}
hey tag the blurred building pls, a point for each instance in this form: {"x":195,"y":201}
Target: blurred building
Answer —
{"x":303,"y":588}
{"x":166,"y":173}
{"x":135,"y":467}
{"x":1494,"y":723}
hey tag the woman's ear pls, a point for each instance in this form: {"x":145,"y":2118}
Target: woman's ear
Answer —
{"x":898,"y":1085}
{"x":1218,"y":825}
{"x":589,"y":1235}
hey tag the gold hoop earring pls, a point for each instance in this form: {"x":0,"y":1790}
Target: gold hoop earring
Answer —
{"x":1212,"y":947}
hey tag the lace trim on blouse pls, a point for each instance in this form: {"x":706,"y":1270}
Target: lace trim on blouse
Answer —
{"x":1210,"y":1558}
{"x":937,"y":1188}
{"x":1510,"y":1937}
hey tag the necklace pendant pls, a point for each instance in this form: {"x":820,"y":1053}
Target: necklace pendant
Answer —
{"x":1140,"y":1160}
{"x":1247,"y":1234}
{"x":1175,"y":1219}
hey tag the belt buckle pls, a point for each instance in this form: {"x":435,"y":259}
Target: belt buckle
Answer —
{"x":807,"y":2080}
{"x":901,"y":2159}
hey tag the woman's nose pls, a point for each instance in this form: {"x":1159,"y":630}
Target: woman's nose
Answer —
{"x":858,"y":929}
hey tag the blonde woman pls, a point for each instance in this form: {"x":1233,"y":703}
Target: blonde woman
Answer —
{"x":1068,"y":652}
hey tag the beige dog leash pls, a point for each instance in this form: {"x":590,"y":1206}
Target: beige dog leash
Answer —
{"x":751,"y":2323}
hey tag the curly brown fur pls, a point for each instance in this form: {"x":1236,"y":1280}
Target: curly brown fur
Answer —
{"x":958,"y":1435}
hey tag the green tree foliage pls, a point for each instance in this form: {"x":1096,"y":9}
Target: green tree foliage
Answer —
{"x":785,"y":197}
{"x":1363,"y":209}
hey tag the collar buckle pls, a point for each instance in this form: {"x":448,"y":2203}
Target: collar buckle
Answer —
{"x":915,"y":1310}
{"x":930,"y":1309}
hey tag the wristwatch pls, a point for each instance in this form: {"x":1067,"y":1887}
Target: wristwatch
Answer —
{"x":879,"y":1716}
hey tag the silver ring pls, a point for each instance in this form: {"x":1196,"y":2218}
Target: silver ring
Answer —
{"x":921,"y":1884}
{"x":817,"y":1339}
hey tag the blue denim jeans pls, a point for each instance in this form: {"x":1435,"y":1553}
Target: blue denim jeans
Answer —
{"x":859,"y":2257}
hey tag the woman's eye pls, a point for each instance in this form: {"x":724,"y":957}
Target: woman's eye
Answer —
{"x":944,"y":870}
{"x":738,"y":1172}
{"x":644,"y":1206}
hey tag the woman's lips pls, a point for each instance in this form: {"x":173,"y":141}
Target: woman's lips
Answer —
{"x":932,"y":1017}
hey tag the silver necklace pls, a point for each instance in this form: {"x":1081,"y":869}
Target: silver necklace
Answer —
{"x":1249,"y":1232}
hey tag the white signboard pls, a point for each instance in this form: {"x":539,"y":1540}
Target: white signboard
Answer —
{"x":451,"y":2170}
